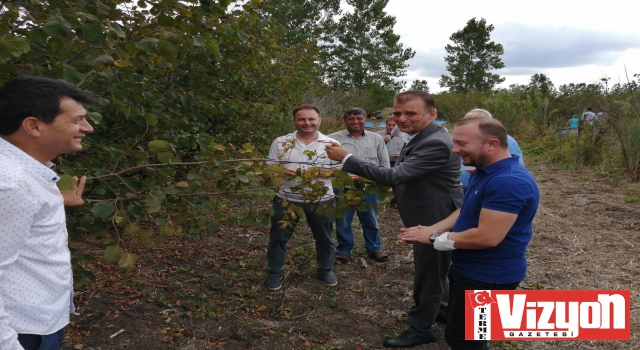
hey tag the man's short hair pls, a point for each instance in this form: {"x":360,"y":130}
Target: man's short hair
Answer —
{"x":488,"y":128}
{"x":36,"y":97}
{"x":354,"y":111}
{"x":406,"y":96}
{"x":305,"y":107}
{"x":386,"y":121}
{"x":479,"y":112}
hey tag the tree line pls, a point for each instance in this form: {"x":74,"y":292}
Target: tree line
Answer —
{"x":191,"y":93}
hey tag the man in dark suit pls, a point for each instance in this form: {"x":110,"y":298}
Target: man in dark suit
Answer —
{"x":426,"y":184}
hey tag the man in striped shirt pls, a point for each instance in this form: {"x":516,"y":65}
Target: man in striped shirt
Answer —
{"x":297,"y":152}
{"x":368,"y":146}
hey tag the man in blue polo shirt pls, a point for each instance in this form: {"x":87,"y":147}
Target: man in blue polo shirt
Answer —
{"x":490,"y":232}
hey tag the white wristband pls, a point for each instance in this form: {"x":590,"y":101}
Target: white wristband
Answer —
{"x":443,"y":242}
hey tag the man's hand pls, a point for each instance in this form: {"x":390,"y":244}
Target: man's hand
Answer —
{"x":355,"y":177}
{"x":73,"y":198}
{"x":387,"y":138}
{"x":290,"y":171}
{"x":416,"y":234}
{"x":470,"y":169}
{"x":336,"y":152}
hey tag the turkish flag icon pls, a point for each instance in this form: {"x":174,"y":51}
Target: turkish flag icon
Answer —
{"x":480,"y":298}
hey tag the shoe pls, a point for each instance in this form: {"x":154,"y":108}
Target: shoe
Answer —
{"x":342,"y":258}
{"x":379,"y":256}
{"x":408,"y":340}
{"x":274,"y":282}
{"x":329,"y":278}
{"x":441,"y":318}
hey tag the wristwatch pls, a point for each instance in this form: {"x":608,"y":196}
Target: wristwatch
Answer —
{"x":433,"y":236}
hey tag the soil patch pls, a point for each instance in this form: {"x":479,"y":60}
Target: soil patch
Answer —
{"x":209,"y":293}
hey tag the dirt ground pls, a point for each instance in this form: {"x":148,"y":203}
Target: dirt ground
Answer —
{"x":208,"y":292}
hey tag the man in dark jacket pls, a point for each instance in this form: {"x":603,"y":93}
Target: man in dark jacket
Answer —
{"x":426,"y":184}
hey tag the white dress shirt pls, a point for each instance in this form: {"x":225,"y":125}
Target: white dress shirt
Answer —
{"x":288,"y":151}
{"x":36,"y":282}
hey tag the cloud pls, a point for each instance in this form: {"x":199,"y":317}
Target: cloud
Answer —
{"x":531,"y":49}
{"x":527,"y":49}
{"x":428,"y":64}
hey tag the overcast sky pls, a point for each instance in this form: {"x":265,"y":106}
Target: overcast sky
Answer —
{"x":569,"y":41}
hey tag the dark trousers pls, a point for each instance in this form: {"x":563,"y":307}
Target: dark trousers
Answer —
{"x":321,"y":227}
{"x":41,"y":342}
{"x":454,"y":332}
{"x":429,"y":286}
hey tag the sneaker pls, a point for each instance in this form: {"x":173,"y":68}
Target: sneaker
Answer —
{"x":329,"y":278}
{"x":274,"y":282}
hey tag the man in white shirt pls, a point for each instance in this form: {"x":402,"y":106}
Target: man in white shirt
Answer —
{"x":40,"y":119}
{"x":588,"y":117}
{"x":297,"y":152}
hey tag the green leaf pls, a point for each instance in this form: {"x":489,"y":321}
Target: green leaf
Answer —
{"x":166,"y":21}
{"x":212,"y":227}
{"x":132,"y":229}
{"x":242,"y":176}
{"x":66,"y":182}
{"x":71,"y":75}
{"x":159,"y":146}
{"x":167,"y":230}
{"x":144,"y":237}
{"x":167,"y":49}
{"x":242,"y":36}
{"x":127,"y":260}
{"x":152,"y":209}
{"x":135,"y":210}
{"x":171,"y":189}
{"x":151,"y":119}
{"x":148,"y":44}
{"x":248,"y":219}
{"x":57,"y":27}
{"x":165,"y":157}
{"x":12,"y":45}
{"x":95,"y":117}
{"x":113,"y":253}
{"x":99,"y":61}
{"x":91,"y":33}
{"x":103,"y":209}
{"x":115,"y":27}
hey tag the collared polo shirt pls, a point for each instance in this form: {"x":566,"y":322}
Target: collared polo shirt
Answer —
{"x":36,"y":282}
{"x":505,"y":186}
{"x":288,"y":151}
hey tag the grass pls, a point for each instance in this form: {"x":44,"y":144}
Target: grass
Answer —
{"x":628,"y":200}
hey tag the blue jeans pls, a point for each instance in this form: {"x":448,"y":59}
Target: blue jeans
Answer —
{"x":42,"y":342}
{"x":370,"y":230}
{"x":321,"y":227}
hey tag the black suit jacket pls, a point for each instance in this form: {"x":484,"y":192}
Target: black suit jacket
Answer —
{"x":425,"y":179}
